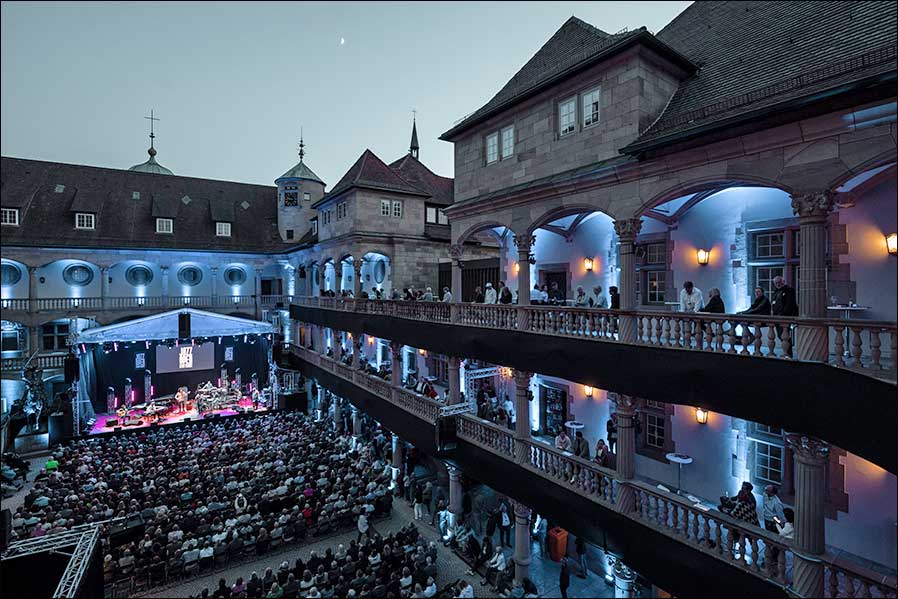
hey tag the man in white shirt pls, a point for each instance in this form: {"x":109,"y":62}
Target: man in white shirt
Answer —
{"x":535,"y":294}
{"x":598,"y":298}
{"x":447,"y":295}
{"x":490,"y":296}
{"x":691,"y":298}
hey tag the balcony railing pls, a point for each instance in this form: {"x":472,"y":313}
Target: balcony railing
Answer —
{"x":51,"y":304}
{"x":867,"y":346}
{"x":45,"y":361}
{"x":760,"y":553}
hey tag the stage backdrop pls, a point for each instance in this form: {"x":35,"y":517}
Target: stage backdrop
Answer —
{"x":111,"y":369}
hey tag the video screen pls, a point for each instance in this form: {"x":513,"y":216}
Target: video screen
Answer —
{"x":185,"y":357}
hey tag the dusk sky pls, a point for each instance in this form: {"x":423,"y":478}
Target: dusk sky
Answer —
{"x":232,"y":83}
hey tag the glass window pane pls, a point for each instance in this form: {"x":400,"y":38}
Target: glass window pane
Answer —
{"x":567,"y":112}
{"x":591,"y":107}
{"x":507,"y":142}
{"x":492,"y":147}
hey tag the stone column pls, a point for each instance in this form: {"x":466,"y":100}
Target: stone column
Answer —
{"x":625,"y":408}
{"x":357,"y":349}
{"x":810,"y":458}
{"x":624,"y":581}
{"x":454,"y":382}
{"x":522,"y":416}
{"x":338,"y":277}
{"x":627,"y":230}
{"x":397,"y":458}
{"x":357,"y":276}
{"x":356,"y":426}
{"x":521,"y":543}
{"x":104,"y":286}
{"x":338,"y":420}
{"x":291,"y":280}
{"x":213,"y":271}
{"x":32,"y":290}
{"x":812,"y":209}
{"x":164,"y":270}
{"x":456,"y":495}
{"x":396,"y":368}
{"x":257,"y":292}
{"x":524,"y":243}
{"x":456,"y":251}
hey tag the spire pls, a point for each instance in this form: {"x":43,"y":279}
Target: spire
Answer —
{"x":302,"y":146}
{"x":151,"y":118}
{"x":413,"y":147}
{"x":151,"y":166}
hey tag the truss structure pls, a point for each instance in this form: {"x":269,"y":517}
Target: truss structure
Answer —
{"x":81,"y":541}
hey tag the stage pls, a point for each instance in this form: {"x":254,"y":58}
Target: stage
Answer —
{"x":245,"y":406}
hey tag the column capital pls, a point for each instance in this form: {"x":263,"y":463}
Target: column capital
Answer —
{"x":454,"y":472}
{"x":396,"y":349}
{"x":625,"y":404}
{"x":524,"y":242}
{"x":808,"y":450}
{"x":521,"y":378}
{"x":628,"y":228}
{"x":213,"y":269}
{"x":813,"y":204}
{"x":164,"y":269}
{"x":456,"y":251}
{"x":521,"y":511}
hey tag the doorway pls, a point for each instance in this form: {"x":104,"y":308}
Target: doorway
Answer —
{"x":556,"y":273}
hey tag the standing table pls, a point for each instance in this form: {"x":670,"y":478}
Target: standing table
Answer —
{"x":679,"y":459}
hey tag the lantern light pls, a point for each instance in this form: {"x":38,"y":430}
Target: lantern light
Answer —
{"x":892,"y":243}
{"x":701,"y":415}
{"x":587,"y":390}
{"x":517,"y":267}
{"x":423,"y":352}
{"x":587,"y":263}
{"x":703,"y":256}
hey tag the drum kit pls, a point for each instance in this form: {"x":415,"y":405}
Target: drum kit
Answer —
{"x":209,"y":397}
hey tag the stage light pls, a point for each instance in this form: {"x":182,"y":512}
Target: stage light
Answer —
{"x":703,"y":256}
{"x":83,"y":349}
{"x":219,"y":339}
{"x":517,"y":267}
{"x":423,"y":352}
{"x":177,"y":343}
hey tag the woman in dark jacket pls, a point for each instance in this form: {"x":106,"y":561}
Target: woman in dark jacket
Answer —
{"x":760,"y":305}
{"x":715,"y":304}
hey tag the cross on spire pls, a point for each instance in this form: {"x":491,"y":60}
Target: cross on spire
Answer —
{"x":151,"y":118}
{"x":302,"y":145}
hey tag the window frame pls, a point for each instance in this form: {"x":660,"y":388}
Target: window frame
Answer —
{"x":386,"y":208}
{"x":502,"y":142}
{"x":7,"y":212}
{"x":573,"y":123}
{"x":494,"y":136}
{"x":220,"y":227}
{"x":598,"y":119}
{"x":306,"y":196}
{"x":162,"y":221}
{"x":397,"y":213}
{"x":85,"y":221}
{"x":787,"y":263}
{"x":56,"y":334}
{"x":664,"y":413}
{"x":656,"y":295}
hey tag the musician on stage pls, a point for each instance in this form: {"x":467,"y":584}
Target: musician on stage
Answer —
{"x":181,"y":397}
{"x":255,"y":399}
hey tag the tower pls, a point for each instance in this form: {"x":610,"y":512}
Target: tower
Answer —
{"x":298,"y":189}
{"x":413,"y":146}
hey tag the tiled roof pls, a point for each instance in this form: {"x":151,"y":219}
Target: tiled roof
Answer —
{"x":300,"y":171}
{"x":758,"y":54}
{"x":575,"y":45}
{"x":440,"y":189}
{"x":125,"y":221}
{"x":370,"y":172}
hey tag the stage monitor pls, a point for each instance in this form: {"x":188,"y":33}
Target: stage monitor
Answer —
{"x":185,"y":358}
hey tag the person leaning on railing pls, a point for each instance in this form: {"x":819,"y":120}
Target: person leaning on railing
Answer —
{"x":760,"y":306}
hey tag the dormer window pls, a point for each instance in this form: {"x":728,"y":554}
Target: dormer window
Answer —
{"x":591,"y":100}
{"x":85,"y":221}
{"x":223,"y":229}
{"x":9,"y":216}
{"x":567,"y":116}
{"x":165,"y":226}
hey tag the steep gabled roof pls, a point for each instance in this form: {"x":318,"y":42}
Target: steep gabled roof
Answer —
{"x":756,"y":55}
{"x":370,"y":172}
{"x":300,"y":171}
{"x":440,"y":189}
{"x":576,"y":45}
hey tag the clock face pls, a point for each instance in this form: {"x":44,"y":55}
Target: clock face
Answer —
{"x":291,"y":198}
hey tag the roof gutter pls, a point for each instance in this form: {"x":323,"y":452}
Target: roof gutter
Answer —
{"x":642,"y":36}
{"x":781,"y":108}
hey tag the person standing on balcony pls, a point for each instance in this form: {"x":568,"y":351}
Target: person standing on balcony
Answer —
{"x":536,"y":295}
{"x":490,"y":295}
{"x":478,"y":295}
{"x":556,"y":296}
{"x":447,"y":295}
{"x":428,"y":295}
{"x":690,"y":298}
{"x":783,"y":303}
{"x":615,"y":298}
{"x":611,"y":429}
{"x":581,"y":300}
{"x":598,"y":299}
{"x":504,"y":293}
{"x":581,"y":446}
{"x":760,"y":305}
{"x":772,"y":508}
{"x":715,"y":303}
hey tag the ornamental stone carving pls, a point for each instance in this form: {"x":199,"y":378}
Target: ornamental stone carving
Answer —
{"x":628,"y":228}
{"x":808,"y":449}
{"x":524,"y":242}
{"x":456,"y":251}
{"x":624,"y":402}
{"x":813,"y":204}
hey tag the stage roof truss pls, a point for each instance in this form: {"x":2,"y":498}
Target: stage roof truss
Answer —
{"x":164,"y":326}
{"x":83,"y":541}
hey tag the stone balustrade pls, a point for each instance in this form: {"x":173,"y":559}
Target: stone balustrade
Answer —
{"x":51,"y":304}
{"x":46,"y":361}
{"x":869,"y":347}
{"x":760,"y":553}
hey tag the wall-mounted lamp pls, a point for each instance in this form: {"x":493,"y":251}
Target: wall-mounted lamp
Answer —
{"x":370,"y":340}
{"x":701,"y":415}
{"x":587,"y":390}
{"x":892,"y":243}
{"x":703,"y":256}
{"x":587,"y":263}
{"x":517,"y":267}
{"x":423,"y":352}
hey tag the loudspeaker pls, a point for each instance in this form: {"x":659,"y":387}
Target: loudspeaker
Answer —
{"x":131,"y":530}
{"x":184,"y":325}
{"x":71,"y":368}
{"x":5,"y":529}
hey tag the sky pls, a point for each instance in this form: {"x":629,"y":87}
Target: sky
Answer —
{"x":233,"y":83}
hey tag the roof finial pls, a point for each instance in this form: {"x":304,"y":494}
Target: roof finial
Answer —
{"x":151,"y":118}
{"x":413,"y":147}
{"x":302,"y":145}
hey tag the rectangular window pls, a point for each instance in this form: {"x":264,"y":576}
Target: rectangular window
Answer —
{"x":291,"y":198}
{"x":430,"y":214}
{"x":764,"y":276}
{"x":442,"y":219}
{"x":385,"y":207}
{"x":655,"y":283}
{"x":54,"y":336}
{"x":314,"y":227}
{"x":9,"y":216}
{"x":397,"y":209}
{"x":654,"y":433}
{"x":656,"y":253}
{"x":135,"y":195}
{"x":768,"y":467}
{"x":289,"y":233}
{"x":658,"y":405}
{"x":591,"y":107}
{"x":164,"y":225}
{"x":567,"y":116}
{"x":84,"y":220}
{"x":492,"y":147}
{"x":507,"y":142}
{"x":306,"y":196}
{"x":223,"y":229}
{"x":769,"y":245}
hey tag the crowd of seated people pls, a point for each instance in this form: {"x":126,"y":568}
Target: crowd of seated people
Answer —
{"x":400,"y":565}
{"x":208,"y":492}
